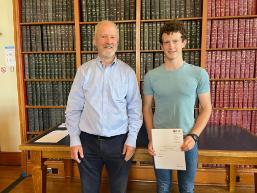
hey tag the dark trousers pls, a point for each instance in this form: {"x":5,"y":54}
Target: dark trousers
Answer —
{"x":100,"y":151}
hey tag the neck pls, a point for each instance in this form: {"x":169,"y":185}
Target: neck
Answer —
{"x":173,"y":64}
{"x":106,"y":61}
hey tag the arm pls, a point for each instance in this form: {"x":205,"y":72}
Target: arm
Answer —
{"x":205,"y":110}
{"x":135,"y":118}
{"x":73,"y":112}
{"x":148,"y":117}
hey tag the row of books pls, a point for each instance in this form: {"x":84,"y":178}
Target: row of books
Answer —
{"x":128,"y":58}
{"x":43,"y":119}
{"x":49,"y":66}
{"x":48,"y":38}
{"x":162,"y":9}
{"x":97,"y":10}
{"x":47,"y":10}
{"x":127,"y":36}
{"x":151,"y":60}
{"x":47,"y":93}
{"x":232,"y":33}
{"x":150,"y":32}
{"x":217,"y":8}
{"x":234,"y":94}
{"x":243,"y":119}
{"x":232,"y":64}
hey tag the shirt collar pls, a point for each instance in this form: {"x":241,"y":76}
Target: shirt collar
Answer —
{"x":99,"y":62}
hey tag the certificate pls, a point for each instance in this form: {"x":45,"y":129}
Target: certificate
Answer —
{"x":166,"y":144}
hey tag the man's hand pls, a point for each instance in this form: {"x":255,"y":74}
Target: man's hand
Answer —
{"x":128,"y":151}
{"x":188,"y":143}
{"x":150,"y":148}
{"x":76,"y":152}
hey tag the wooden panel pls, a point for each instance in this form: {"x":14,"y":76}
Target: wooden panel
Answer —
{"x":10,"y":158}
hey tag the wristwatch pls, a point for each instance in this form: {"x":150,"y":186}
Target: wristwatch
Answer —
{"x":194,"y":136}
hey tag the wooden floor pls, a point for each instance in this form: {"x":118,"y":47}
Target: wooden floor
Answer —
{"x":9,"y":174}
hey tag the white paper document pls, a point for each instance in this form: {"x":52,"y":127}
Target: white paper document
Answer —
{"x":53,"y":137}
{"x":166,"y":144}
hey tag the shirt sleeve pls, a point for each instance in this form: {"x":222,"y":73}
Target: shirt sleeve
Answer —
{"x":204,"y":82}
{"x":74,"y":108}
{"x":134,"y":110}
{"x":147,"y":85}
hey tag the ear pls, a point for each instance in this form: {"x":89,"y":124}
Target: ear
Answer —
{"x":184,"y":43}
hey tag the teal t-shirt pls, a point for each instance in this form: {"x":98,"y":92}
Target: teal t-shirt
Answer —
{"x":175,"y":94}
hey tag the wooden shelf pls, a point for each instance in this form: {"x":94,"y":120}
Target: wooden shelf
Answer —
{"x":49,"y":23}
{"x":48,"y":80}
{"x":50,"y":52}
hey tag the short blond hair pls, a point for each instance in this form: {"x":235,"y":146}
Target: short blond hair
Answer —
{"x":104,"y":22}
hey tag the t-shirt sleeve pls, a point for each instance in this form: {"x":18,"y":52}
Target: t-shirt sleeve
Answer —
{"x":204,"y":82}
{"x":147,"y":85}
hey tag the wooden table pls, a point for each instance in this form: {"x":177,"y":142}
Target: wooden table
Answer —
{"x":218,"y":145}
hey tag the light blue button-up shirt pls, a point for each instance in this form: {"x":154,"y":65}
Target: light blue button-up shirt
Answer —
{"x":104,"y":101}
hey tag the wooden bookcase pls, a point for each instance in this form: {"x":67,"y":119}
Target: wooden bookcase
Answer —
{"x":24,"y":22}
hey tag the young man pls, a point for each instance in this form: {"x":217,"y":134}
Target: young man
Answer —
{"x":174,"y":87}
{"x":104,"y":115}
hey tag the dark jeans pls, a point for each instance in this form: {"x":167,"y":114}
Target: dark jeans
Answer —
{"x":97,"y":153}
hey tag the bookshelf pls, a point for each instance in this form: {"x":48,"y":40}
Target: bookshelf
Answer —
{"x":54,"y":37}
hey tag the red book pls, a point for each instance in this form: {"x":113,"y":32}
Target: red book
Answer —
{"x":222,"y":118}
{"x":254,"y":122}
{"x":217,"y":9}
{"x":232,"y":94}
{"x":217,"y":94}
{"x":254,"y":32}
{"x":247,"y":65}
{"x":250,"y":33}
{"x":229,"y":118}
{"x":241,"y":7}
{"x":222,"y":8}
{"x":236,"y":94}
{"x":236,"y":7}
{"x":239,"y":119}
{"x":208,"y":63}
{"x":220,"y":34}
{"x":241,"y":33}
{"x":234,"y":117}
{"x":208,"y":38}
{"x":245,"y":94}
{"x":249,"y":116}
{"x":213,"y":8}
{"x":245,"y":120}
{"x":213,"y":92}
{"x":227,"y":8}
{"x":217,"y":64}
{"x":227,"y":65}
{"x":209,"y":5}
{"x":226,"y":94}
{"x":213,"y":64}
{"x":255,"y":95}
{"x":245,"y":6}
{"x":250,"y":94}
{"x":240,"y":94}
{"x":230,"y":33}
{"x":254,"y":7}
{"x":243,"y":64}
{"x":235,"y":33}
{"x":247,"y":33}
{"x":238,"y":64}
{"x":252,"y":64}
{"x":223,"y":64}
{"x":231,"y":7}
{"x":249,"y":7}
{"x":214,"y":33}
{"x":225,"y":33}
{"x":232,"y":64}
{"x":221,"y":96}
